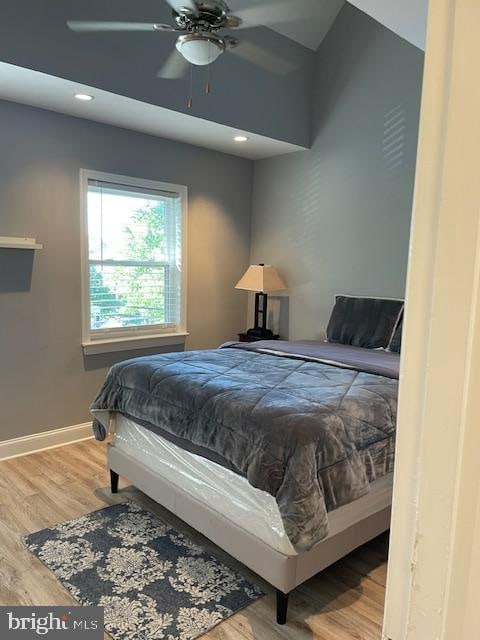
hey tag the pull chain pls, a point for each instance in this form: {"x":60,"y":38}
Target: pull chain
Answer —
{"x":190,"y":99}
{"x":208,"y":88}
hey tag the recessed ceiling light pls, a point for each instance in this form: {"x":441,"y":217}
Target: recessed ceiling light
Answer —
{"x":84,"y":97}
{"x":240,"y":138}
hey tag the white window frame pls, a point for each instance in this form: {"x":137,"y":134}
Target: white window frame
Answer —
{"x":131,"y":338}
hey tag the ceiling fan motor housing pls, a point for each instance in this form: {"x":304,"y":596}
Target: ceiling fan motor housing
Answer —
{"x":210,"y":14}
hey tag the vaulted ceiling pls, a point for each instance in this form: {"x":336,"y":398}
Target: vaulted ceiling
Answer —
{"x":406,"y":18}
{"x":44,"y":62}
{"x":245,"y":96}
{"x":311,"y":20}
{"x":305,"y":21}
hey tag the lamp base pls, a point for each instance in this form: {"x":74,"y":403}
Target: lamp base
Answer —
{"x":260,"y":332}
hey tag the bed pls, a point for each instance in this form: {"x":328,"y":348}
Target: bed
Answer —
{"x":280,"y":453}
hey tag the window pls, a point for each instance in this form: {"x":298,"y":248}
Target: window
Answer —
{"x":133,"y":272}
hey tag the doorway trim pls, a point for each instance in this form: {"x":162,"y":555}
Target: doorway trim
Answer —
{"x":434,"y":566}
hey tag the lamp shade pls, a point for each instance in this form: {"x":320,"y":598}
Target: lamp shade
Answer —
{"x":261,"y":277}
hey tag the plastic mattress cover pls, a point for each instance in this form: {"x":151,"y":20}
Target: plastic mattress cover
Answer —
{"x":250,"y":509}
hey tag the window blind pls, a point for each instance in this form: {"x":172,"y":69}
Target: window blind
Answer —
{"x":134,"y":255}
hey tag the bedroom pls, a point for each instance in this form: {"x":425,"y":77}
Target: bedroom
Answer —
{"x":145,"y":206}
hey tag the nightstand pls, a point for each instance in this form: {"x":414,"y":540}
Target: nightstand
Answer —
{"x":244,"y":337}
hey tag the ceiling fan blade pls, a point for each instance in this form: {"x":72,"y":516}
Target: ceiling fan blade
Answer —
{"x":90,"y":27}
{"x":183,"y":6}
{"x":269,"y":14}
{"x":254,"y":53}
{"x":174,"y":67}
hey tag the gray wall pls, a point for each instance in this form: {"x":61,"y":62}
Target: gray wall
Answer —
{"x":333,"y":219}
{"x":336,"y":219}
{"x":244,"y":95}
{"x":45,"y":382}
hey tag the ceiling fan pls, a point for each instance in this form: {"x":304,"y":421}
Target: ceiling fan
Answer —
{"x":198,"y":23}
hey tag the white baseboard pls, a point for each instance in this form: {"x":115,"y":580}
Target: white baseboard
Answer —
{"x":45,"y":440}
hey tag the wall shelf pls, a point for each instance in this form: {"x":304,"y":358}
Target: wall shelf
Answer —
{"x":19,"y":243}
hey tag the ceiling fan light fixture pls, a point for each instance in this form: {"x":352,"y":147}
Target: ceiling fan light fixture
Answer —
{"x":200,"y":48}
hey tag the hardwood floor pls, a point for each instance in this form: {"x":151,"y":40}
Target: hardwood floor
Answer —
{"x":345,"y":602}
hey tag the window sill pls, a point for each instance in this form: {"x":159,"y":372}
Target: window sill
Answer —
{"x":112,"y":345}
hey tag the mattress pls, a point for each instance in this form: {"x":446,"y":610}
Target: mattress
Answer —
{"x":250,"y":509}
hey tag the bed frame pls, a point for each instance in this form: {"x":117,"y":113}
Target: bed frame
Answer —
{"x":285,"y":573}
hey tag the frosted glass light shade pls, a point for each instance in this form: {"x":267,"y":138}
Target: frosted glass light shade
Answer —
{"x":200,"y":50}
{"x":260,"y":277}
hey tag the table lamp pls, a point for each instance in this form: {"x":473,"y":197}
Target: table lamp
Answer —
{"x":263,"y":279}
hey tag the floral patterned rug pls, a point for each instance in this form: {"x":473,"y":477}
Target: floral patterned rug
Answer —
{"x":152,"y":581}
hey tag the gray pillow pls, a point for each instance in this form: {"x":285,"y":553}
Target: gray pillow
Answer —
{"x":395,"y":344}
{"x":363,"y":322}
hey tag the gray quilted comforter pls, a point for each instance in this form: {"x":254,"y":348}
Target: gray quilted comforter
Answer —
{"x":309,"y":423}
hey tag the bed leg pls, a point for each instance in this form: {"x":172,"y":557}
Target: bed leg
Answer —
{"x":282,"y":607}
{"x":114,"y":481}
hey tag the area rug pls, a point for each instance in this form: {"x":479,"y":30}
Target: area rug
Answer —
{"x":153,"y":581}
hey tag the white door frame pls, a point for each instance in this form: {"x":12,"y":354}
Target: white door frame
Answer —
{"x":433,"y":589}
